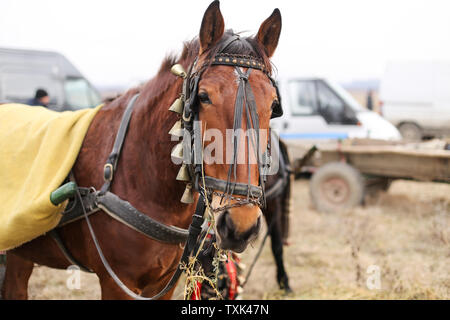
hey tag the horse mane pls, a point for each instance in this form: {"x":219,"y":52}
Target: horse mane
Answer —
{"x":163,"y":80}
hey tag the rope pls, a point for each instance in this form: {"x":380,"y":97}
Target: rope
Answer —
{"x":256,"y":257}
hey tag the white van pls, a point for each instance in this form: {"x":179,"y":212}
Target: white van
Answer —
{"x":415,"y":96}
{"x":317,"y":109}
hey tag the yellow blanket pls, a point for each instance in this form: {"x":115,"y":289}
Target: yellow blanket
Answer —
{"x":38,"y":148}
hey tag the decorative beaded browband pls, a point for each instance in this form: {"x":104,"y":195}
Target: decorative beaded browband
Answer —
{"x":244,"y":61}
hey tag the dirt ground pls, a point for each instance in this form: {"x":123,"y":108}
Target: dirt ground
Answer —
{"x":399,"y":244}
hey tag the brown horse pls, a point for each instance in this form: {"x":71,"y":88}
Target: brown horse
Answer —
{"x":145,"y":176}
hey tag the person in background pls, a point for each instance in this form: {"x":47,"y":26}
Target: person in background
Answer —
{"x":369,"y":103}
{"x":41,"y":98}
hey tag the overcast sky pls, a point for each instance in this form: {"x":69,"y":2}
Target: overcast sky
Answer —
{"x":122,"y":42}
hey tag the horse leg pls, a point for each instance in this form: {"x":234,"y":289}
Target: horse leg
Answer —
{"x":18,"y":272}
{"x":277,"y":250}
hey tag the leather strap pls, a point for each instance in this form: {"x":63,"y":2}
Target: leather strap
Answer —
{"x":124,"y":212}
{"x":226,"y":43}
{"x":276,"y":189}
{"x":74,"y":210}
{"x":238,"y":188}
{"x":194,"y":231}
{"x":238,"y":61}
{"x":111,"y":163}
{"x":57,"y":238}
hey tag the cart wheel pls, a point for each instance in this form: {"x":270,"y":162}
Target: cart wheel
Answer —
{"x":410,"y":131}
{"x":336,"y":186}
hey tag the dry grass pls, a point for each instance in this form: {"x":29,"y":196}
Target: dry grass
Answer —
{"x":405,"y":232}
{"x":46,"y":283}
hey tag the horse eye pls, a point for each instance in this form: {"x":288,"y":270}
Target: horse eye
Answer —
{"x":204,"y":98}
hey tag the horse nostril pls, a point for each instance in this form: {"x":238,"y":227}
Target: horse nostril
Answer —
{"x":229,"y":221}
{"x":223,"y":225}
{"x":230,"y":239}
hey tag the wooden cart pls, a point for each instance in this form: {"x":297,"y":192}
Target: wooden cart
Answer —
{"x":343,"y":173}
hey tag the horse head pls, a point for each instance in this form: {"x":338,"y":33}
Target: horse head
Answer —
{"x":229,"y":99}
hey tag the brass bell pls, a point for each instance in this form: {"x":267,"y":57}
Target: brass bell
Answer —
{"x":178,"y":70}
{"x":183,"y":174}
{"x":177,"y":106}
{"x":177,"y":153}
{"x":176,"y":130}
{"x":188,"y":195}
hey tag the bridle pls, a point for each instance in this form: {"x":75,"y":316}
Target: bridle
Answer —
{"x":192,"y":170}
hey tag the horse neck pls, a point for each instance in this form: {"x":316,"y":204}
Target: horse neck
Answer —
{"x":148,"y":172}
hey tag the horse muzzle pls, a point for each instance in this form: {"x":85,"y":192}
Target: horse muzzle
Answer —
{"x":237,"y":226}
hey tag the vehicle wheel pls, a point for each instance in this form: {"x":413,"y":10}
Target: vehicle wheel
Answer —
{"x":410,"y":131}
{"x":335,"y":187}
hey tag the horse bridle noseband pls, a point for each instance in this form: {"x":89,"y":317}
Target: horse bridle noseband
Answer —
{"x":245,"y":104}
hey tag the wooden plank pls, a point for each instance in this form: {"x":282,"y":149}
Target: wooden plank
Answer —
{"x":417,"y":165}
{"x":389,"y":150}
{"x":424,"y":161}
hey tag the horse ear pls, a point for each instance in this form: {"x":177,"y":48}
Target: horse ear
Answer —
{"x":269,"y":32}
{"x":212,"y":27}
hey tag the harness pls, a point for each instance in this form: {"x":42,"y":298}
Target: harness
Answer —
{"x":89,"y":200}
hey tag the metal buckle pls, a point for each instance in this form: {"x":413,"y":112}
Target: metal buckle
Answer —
{"x":107,"y":176}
